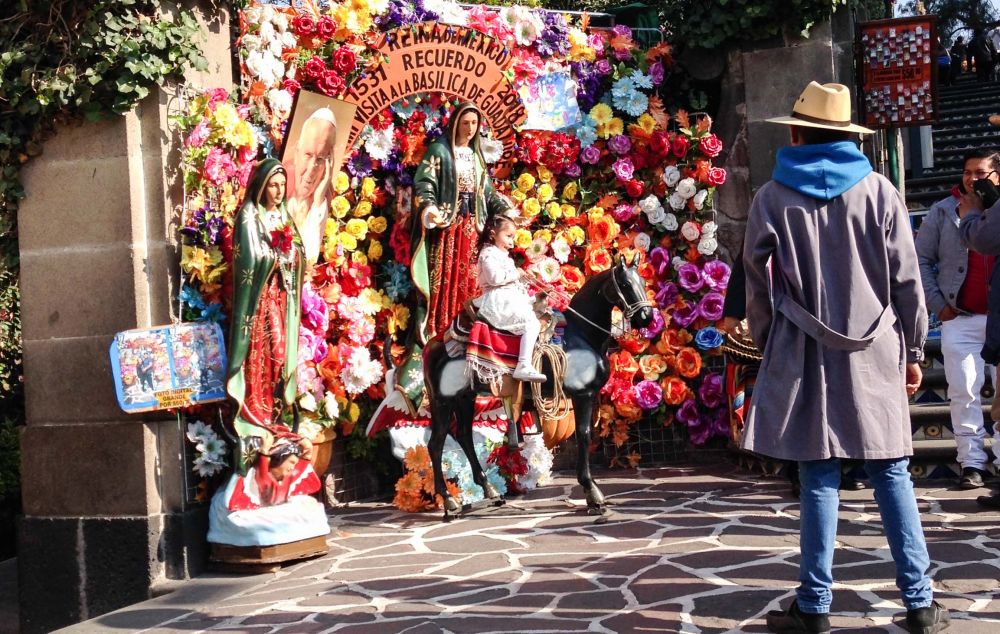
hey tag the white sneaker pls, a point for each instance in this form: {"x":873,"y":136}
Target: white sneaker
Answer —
{"x":528,"y":373}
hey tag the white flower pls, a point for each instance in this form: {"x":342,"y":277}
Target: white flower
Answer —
{"x":378,"y":7}
{"x":690,"y":231}
{"x":280,"y":102}
{"x":649,"y":203}
{"x":561,"y":250}
{"x":708,"y":245}
{"x":548,"y":270}
{"x":198,"y":430}
{"x":536,"y":249}
{"x":642,"y":241}
{"x":677,"y":202}
{"x":709,"y":229}
{"x":360,"y":372}
{"x":492,"y":150}
{"x":212,"y":448}
{"x":288,"y":41}
{"x":448,"y":12}
{"x":331,"y":408}
{"x":308,"y":402}
{"x":670,"y":222}
{"x":252,"y":42}
{"x":280,"y":22}
{"x":252,"y":14}
{"x":657,"y":216}
{"x":687,"y":188}
{"x":274,"y":47}
{"x":677,"y":261}
{"x":207,"y":468}
{"x":267,"y":14}
{"x":266,"y":31}
{"x":255,"y":63}
{"x":379,"y":143}
{"x":699,"y":199}
{"x":671,"y":175}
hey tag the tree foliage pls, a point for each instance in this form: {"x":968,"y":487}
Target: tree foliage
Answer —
{"x":955,"y":16}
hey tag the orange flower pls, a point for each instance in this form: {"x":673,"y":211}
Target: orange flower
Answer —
{"x":628,"y":409}
{"x":572,"y":278}
{"x":634,"y":343}
{"x":603,"y":230}
{"x":701,"y":168}
{"x":623,"y":363}
{"x":652,"y":366}
{"x":688,"y":363}
{"x":675,"y":390}
{"x":417,"y":458}
{"x":620,"y":435}
{"x":597,"y":259}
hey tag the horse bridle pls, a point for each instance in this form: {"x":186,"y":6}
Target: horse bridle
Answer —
{"x":628,"y":311}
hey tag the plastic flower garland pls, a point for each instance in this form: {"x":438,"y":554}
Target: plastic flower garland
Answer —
{"x":629,"y":178}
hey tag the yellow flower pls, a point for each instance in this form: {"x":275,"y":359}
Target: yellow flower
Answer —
{"x":544,"y":173}
{"x":594,"y":213}
{"x":375,"y":251}
{"x":601,"y":113}
{"x":522,"y":238}
{"x":518,"y":196}
{"x":647,"y":123}
{"x":603,"y":130}
{"x":543,"y":234}
{"x":363,"y":209}
{"x":330,"y":247}
{"x":525,"y":182}
{"x":377,"y":224}
{"x":357,"y":228}
{"x":373,"y":301}
{"x":197,"y":261}
{"x":348,"y":241}
{"x":616,"y":126}
{"x":531,"y":207}
{"x":226,"y":117}
{"x":340,"y":206}
{"x":399,"y":318}
{"x":545,"y":192}
{"x":367,"y":186}
{"x":342,"y":184}
{"x":554,"y":210}
{"x":570,"y":190}
{"x":353,"y":412}
{"x":577,"y":235}
{"x":568,"y":211}
{"x":359,"y":258}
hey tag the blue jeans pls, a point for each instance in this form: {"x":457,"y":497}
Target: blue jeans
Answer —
{"x":819,"y":502}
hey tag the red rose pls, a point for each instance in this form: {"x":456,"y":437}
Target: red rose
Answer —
{"x":660,"y":144}
{"x":344,"y":60}
{"x":315,"y":68}
{"x":710,"y":146}
{"x":680,"y":146}
{"x":304,"y":25}
{"x":634,"y":188}
{"x":716,"y":177}
{"x":326,"y":27}
{"x":330,"y":84}
{"x":291,"y":86}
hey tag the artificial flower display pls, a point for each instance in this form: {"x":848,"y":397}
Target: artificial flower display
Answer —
{"x":630,"y":176}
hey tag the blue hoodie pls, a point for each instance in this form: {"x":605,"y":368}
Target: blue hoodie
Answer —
{"x":823,"y":170}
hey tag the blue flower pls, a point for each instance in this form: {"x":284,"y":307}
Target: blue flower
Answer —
{"x":586,"y":134}
{"x":641,"y":80}
{"x":635,"y":104}
{"x":213,"y":313}
{"x":398,"y":284}
{"x":191,"y":297}
{"x":708,"y":338}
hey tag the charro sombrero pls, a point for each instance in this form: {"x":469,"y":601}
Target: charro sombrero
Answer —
{"x":823,"y":106}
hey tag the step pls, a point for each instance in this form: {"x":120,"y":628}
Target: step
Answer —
{"x":936,"y":413}
{"x":943,"y":449}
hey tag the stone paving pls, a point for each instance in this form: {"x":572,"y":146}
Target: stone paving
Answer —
{"x":701,"y":549}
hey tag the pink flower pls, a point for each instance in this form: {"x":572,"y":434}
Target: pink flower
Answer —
{"x":710,"y":146}
{"x":198,"y":135}
{"x":716,"y":176}
{"x":216,"y":96}
{"x":623,"y":169}
{"x":710,"y":306}
{"x":623,"y":212}
{"x":690,"y":277}
{"x":648,"y":394}
{"x":218,"y":166}
{"x":244,"y":172}
{"x":716,"y":274}
{"x":361,"y":332}
{"x":659,"y":259}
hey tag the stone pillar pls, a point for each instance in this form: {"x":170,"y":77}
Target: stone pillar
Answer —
{"x":107,"y":519}
{"x":762,"y":83}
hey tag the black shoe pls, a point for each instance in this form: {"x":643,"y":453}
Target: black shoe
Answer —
{"x":972,"y":478}
{"x":933,"y":618}
{"x":794,"y":621}
{"x":989,"y":501}
{"x":850,"y":484}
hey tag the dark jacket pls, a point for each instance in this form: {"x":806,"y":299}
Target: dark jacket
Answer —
{"x":981,"y":232}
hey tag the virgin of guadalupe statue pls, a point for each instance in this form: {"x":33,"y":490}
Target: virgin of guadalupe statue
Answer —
{"x":268,"y":266}
{"x":453,"y":194}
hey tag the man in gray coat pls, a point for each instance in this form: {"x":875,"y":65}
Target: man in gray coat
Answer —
{"x":834,"y":301}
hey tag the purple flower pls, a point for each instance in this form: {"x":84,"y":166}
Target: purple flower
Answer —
{"x":667,"y":295}
{"x":622,"y":54}
{"x":648,"y":394}
{"x":709,"y":426}
{"x":655,"y":327}
{"x":656,"y":73}
{"x":686,"y":314}
{"x":716,"y":274}
{"x":711,"y":391}
{"x":623,"y":169}
{"x":590,"y":155}
{"x":659,"y":259}
{"x":623,"y":212}
{"x":687,"y":413}
{"x":622,"y":31}
{"x":710,"y":306}
{"x":619,"y":144}
{"x":603,"y":67}
{"x":690,"y":277}
{"x":360,"y":165}
{"x":572,"y":171}
{"x":315,"y":312}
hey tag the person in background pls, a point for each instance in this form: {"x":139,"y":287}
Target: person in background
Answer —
{"x":958,"y":56}
{"x":956,"y":281}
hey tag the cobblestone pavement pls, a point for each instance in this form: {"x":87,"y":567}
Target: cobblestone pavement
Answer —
{"x":706,"y":549}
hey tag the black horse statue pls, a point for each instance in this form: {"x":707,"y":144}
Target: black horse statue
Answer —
{"x":587,"y":337}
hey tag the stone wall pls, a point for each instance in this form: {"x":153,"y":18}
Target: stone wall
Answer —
{"x":106,"y":521}
{"x":761,"y":83}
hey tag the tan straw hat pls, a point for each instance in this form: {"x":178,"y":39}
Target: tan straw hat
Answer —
{"x":823,"y":106}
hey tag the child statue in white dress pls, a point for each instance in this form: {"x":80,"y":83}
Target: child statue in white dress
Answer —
{"x":506,"y":302}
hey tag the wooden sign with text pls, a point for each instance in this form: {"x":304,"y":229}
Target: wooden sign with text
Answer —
{"x":897,"y":66}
